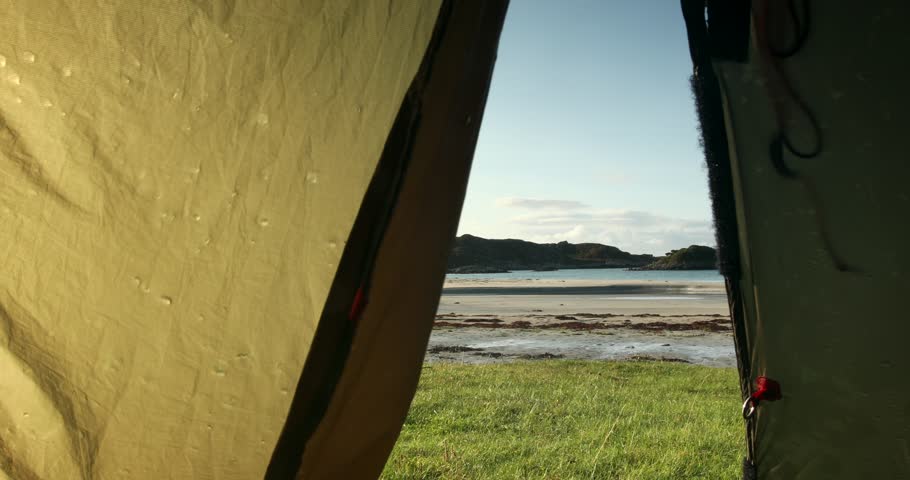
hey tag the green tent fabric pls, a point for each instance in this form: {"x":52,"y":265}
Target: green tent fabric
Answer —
{"x":818,"y":225}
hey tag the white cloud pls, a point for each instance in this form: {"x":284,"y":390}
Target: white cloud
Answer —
{"x":538,"y":204}
{"x":550,"y":221}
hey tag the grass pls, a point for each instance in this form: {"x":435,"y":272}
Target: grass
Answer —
{"x":572,"y":419}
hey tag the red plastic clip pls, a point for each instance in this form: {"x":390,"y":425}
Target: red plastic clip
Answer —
{"x":765,"y":389}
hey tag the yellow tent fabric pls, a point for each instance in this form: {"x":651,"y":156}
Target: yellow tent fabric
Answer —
{"x":179,"y":180}
{"x":374,"y":389}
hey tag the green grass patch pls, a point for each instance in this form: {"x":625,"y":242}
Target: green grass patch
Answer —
{"x":572,"y":419}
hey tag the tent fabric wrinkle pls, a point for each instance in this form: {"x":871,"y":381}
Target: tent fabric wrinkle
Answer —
{"x":179,"y":181}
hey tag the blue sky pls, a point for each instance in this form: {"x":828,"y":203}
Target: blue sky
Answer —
{"x":589,"y":134}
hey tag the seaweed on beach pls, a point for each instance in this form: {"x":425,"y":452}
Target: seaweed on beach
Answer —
{"x":541,"y":356}
{"x":452,"y":349}
{"x":488,"y":354}
{"x":649,"y":358}
{"x":708,"y":325}
{"x":720,"y":324}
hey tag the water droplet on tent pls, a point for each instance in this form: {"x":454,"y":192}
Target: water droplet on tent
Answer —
{"x":2,"y":61}
{"x":66,"y":72}
{"x":197,"y":108}
{"x":196,"y":217}
{"x":207,"y":241}
{"x":219,"y":372}
{"x":126,"y":79}
{"x":333,"y":245}
{"x":312,"y":177}
{"x":18,"y":99}
{"x":201,"y":318}
{"x":166,"y":300}
{"x":28,"y":57}
{"x":262,"y":119}
{"x":185,"y":127}
{"x":137,"y":281}
{"x":176,"y":94}
{"x":137,"y":63}
{"x":263,"y":222}
{"x":14,"y":79}
{"x":47,"y":103}
{"x":242,"y":356}
{"x":284,"y":391}
{"x":209,"y":426}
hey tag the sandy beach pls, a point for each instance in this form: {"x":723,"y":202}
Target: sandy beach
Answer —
{"x":486,"y":320}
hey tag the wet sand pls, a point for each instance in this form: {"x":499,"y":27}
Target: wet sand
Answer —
{"x":488,"y":321}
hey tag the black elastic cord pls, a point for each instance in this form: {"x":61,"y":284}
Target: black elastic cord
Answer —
{"x":800,"y":34}
{"x":800,"y":29}
{"x":782,"y":142}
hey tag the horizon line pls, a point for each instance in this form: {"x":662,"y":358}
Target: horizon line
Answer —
{"x":714,"y":247}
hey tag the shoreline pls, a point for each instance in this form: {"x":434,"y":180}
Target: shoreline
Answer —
{"x":615,"y":289}
{"x":556,"y":282}
{"x":473,"y":346}
{"x":495,"y":321}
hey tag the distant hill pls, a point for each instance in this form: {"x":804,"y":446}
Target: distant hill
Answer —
{"x":694,"y":257}
{"x":480,"y":255}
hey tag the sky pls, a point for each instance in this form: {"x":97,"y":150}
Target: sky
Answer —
{"x":589,"y":133}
